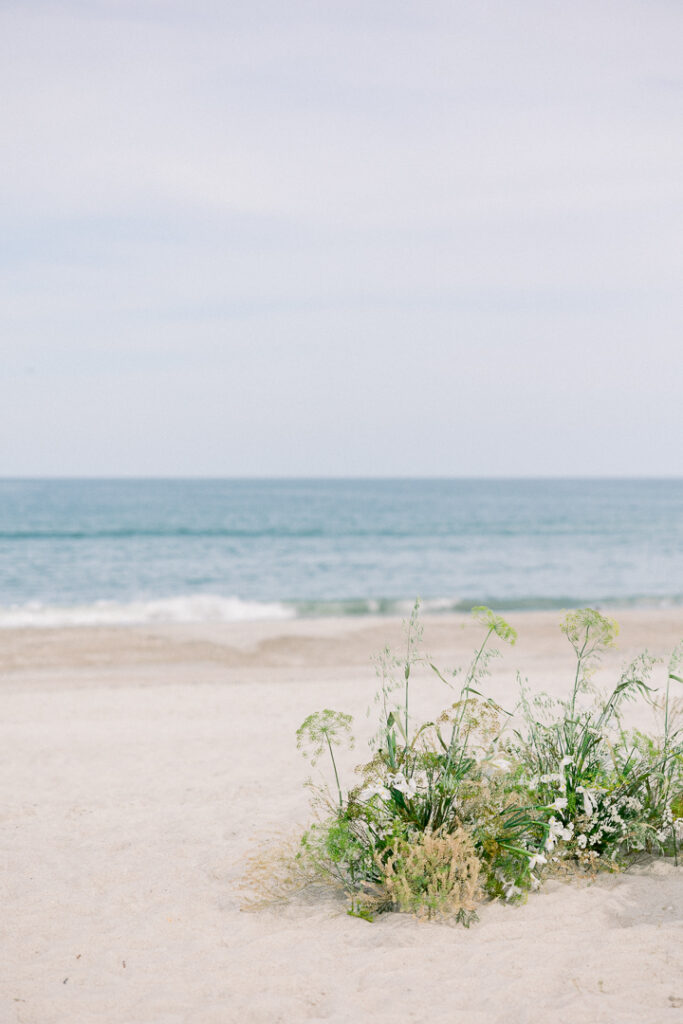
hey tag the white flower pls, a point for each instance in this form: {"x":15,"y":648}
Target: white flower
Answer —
{"x":375,"y":789}
{"x":406,"y":786}
{"x":511,"y":890}
{"x":565,"y":761}
{"x":590,"y":804}
{"x":501,"y":763}
{"x":554,"y":827}
{"x":559,"y":804}
{"x":581,"y":841}
{"x":557,"y":830}
{"x":536,"y":858}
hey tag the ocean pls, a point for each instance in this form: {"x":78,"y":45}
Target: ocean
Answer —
{"x":119,"y":551}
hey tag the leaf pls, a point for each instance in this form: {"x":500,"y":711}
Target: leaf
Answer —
{"x":441,"y":677}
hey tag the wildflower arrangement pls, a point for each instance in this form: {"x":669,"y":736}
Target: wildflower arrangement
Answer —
{"x":484,"y":802}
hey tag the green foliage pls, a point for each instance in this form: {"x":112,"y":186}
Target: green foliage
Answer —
{"x":480,"y":801}
{"x":607,"y":791}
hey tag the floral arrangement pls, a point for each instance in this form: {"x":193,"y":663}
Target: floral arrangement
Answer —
{"x":484,"y":802}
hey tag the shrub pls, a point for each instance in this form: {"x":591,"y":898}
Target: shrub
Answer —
{"x":481,"y":801}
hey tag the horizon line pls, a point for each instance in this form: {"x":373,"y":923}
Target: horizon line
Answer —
{"x":267,"y":478}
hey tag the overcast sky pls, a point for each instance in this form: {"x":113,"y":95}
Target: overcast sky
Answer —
{"x":341,"y":238}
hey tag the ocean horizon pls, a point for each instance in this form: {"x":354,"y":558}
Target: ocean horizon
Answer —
{"x":128,"y":550}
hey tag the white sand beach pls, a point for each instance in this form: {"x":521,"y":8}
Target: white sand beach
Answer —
{"x":139,"y":764}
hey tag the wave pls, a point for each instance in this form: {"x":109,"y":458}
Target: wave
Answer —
{"x":164,"y":533}
{"x":188,"y":608}
{"x":195,"y":608}
{"x":461,"y":532}
{"x":450,"y":605}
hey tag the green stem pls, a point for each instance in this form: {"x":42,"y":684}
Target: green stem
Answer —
{"x":666,"y":713}
{"x":667,"y":774}
{"x":406,"y":702}
{"x":464,"y":697}
{"x":579,"y":662}
{"x":468,"y":682}
{"x":336,"y":775}
{"x":407,"y":672}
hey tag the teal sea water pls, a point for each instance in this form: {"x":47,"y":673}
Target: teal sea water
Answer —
{"x":75,"y":551}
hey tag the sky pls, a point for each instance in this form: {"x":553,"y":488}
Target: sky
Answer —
{"x":377,"y":238}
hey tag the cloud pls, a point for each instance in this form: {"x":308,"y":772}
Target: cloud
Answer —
{"x":189,"y":183}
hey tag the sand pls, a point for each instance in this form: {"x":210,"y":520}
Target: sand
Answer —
{"x":137,"y":765}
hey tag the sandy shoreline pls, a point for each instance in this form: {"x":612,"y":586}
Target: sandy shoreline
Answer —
{"x":137,"y":763}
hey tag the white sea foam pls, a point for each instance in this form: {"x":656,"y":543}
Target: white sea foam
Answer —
{"x":190,"y":608}
{"x":216,"y":608}
{"x":200,"y":608}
